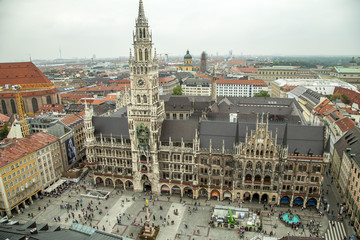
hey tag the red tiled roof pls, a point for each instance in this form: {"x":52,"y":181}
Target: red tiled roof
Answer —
{"x":241,"y":81}
{"x":165,"y":80}
{"x":237,"y":62}
{"x":93,"y":101}
{"x":243,"y":70}
{"x":21,"y":73}
{"x":104,"y":88}
{"x":14,"y":149}
{"x":51,"y":108}
{"x":4,"y":118}
{"x":70,"y":119}
{"x":74,"y":96}
{"x":354,"y":97}
{"x":345,"y":124}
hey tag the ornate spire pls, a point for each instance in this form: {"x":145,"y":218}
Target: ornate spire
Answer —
{"x":237,"y":138}
{"x":141,"y":16}
{"x":284,"y":143}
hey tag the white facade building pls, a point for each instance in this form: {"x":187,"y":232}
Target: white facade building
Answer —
{"x":281,"y":87}
{"x":239,"y":88}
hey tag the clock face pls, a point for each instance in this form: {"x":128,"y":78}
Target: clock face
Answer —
{"x":140,"y":83}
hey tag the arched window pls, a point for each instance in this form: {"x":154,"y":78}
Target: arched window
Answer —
{"x":35,"y":105}
{"x":140,"y":33}
{"x":144,"y":35}
{"x":141,"y":70}
{"x":138,"y":70}
{"x":3,"y":104}
{"x":140,"y":55}
{"x":48,"y":100}
{"x":13,"y":106}
{"x":138,"y":99}
{"x":146,"y":55}
{"x":145,"y":99}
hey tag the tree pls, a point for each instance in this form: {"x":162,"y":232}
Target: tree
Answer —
{"x":262,"y":94}
{"x":177,"y":90}
{"x":4,"y":131}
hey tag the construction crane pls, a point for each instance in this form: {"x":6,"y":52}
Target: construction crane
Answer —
{"x":20,"y":102}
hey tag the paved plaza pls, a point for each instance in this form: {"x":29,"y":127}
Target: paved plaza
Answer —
{"x":188,"y":224}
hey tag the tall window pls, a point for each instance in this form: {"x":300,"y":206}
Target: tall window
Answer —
{"x":140,"y":55}
{"x":35,"y":105}
{"x":13,"y":106}
{"x":146,"y":55}
{"x":3,"y":104}
{"x":48,"y":100}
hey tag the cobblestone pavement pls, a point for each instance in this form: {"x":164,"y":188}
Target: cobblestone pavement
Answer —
{"x":188,"y":224}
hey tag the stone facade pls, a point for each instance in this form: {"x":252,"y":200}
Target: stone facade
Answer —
{"x":143,"y":151}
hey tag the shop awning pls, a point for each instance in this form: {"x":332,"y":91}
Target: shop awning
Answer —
{"x":227,"y":195}
{"x":54,"y":186}
{"x":298,"y":201}
{"x":215,"y":193}
{"x":311,"y":203}
{"x":285,"y":200}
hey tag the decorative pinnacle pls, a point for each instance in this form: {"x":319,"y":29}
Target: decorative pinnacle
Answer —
{"x":141,"y":10}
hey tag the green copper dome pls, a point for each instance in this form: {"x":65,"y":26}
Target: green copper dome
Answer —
{"x":187,"y":55}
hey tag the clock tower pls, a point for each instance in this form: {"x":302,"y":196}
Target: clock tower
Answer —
{"x":145,"y":112}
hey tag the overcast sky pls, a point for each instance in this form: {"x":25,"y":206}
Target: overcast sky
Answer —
{"x":82,"y":28}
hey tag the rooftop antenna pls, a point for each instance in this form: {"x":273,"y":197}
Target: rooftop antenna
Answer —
{"x":60,"y":52}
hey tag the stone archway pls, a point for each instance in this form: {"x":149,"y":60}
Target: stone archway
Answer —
{"x":215,"y":195}
{"x":188,"y":192}
{"x":227,"y":195}
{"x":109,"y":182}
{"x":311,"y":202}
{"x":203,"y":193}
{"x":146,"y":183}
{"x":99,"y":180}
{"x":298,"y":201}
{"x":247,"y":196}
{"x":119,"y":184}
{"x":129,"y":185}
{"x":165,"y":189}
{"x":285,"y":200}
{"x":255,"y":197}
{"x":264,"y":198}
{"x":176,"y":190}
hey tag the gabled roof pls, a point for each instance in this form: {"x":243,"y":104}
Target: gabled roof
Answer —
{"x":71,"y":119}
{"x":345,"y":124}
{"x":178,"y":129}
{"x":21,"y":73}
{"x":13,"y":149}
{"x":111,"y":126}
{"x":300,"y":138}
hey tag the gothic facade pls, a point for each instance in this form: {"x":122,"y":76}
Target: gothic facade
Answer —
{"x":137,"y":148}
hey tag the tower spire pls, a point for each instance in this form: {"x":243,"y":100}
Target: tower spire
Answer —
{"x":141,"y":15}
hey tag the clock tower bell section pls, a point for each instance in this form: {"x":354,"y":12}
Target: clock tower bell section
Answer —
{"x":145,"y":112}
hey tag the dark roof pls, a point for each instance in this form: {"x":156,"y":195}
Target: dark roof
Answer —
{"x":300,"y":238}
{"x":179,"y":103}
{"x":98,"y":109}
{"x":300,"y":138}
{"x":350,"y":141}
{"x":178,"y":129}
{"x":44,"y":232}
{"x":111,"y":126}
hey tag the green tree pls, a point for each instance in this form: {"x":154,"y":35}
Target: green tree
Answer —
{"x":345,"y":99}
{"x":4,"y":131}
{"x":177,"y":90}
{"x":262,"y":94}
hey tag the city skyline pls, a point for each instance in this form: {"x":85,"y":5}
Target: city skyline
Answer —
{"x":52,"y":29}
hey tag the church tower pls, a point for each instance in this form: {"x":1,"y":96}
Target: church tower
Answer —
{"x":145,"y":112}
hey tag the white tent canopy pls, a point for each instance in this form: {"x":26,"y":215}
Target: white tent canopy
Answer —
{"x":54,"y":186}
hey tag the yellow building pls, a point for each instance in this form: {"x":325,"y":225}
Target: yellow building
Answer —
{"x":19,"y":171}
{"x":188,"y":64}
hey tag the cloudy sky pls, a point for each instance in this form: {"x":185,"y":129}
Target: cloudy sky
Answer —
{"x":81,"y":28}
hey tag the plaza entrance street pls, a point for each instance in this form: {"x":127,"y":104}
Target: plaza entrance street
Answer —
{"x":124,"y":213}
